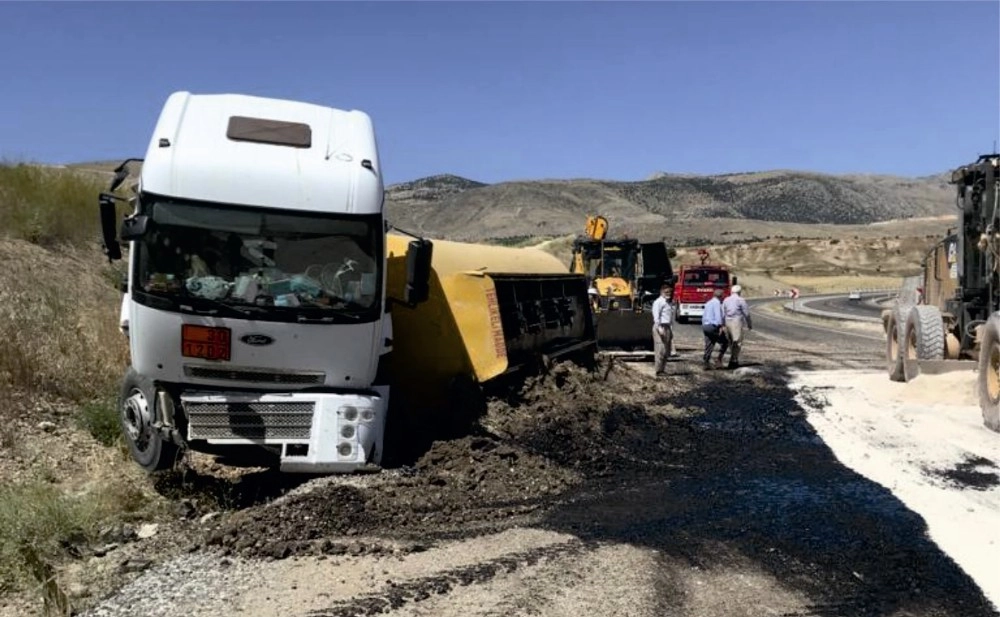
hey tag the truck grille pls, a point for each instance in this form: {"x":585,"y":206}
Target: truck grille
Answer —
{"x":255,"y":375}
{"x":249,"y":420}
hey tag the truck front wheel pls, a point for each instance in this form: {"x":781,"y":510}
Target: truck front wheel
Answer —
{"x":135,"y":414}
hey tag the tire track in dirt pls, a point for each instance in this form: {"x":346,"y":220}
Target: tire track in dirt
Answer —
{"x":448,"y":581}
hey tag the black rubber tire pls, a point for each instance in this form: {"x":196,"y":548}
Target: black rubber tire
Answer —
{"x":158,"y":454}
{"x":988,"y":380}
{"x":929,"y":325}
{"x":924,"y":338}
{"x":893,"y":348}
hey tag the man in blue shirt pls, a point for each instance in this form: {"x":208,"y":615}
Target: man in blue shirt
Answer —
{"x":714,"y":328}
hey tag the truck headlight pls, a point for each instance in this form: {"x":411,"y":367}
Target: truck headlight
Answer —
{"x":350,"y":413}
{"x":347,"y":431}
{"x":367,"y":414}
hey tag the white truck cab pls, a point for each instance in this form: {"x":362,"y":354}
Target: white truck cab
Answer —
{"x":255,"y":306}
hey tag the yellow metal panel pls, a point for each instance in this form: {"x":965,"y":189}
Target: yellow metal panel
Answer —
{"x":458,"y":329}
{"x":597,"y":227}
{"x":452,"y":257}
{"x":473,"y":301}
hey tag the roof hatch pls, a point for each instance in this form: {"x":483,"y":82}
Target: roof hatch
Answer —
{"x":276,"y":132}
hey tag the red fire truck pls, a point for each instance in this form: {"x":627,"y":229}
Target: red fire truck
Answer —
{"x":695,"y":285}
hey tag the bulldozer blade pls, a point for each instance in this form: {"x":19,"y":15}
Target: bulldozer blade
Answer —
{"x":625,"y":330}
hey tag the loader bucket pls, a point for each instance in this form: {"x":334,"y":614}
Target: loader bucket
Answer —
{"x":625,"y":330}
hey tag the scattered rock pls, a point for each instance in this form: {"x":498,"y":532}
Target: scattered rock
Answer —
{"x":101,"y":551}
{"x":134,"y":564}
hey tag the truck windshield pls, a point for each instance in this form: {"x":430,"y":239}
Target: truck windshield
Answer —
{"x":714,"y":278}
{"x":285,"y":265}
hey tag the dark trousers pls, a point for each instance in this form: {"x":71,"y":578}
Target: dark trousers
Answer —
{"x":713,"y":335}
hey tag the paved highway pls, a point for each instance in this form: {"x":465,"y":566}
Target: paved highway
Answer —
{"x":793,"y":342}
{"x":842,"y":305}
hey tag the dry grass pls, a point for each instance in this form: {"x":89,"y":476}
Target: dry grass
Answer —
{"x":60,"y":349}
{"x":41,"y":521}
{"x":58,"y":323}
{"x":50,"y":207}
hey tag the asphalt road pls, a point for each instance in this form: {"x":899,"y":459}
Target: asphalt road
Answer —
{"x":794,"y":342}
{"x":841,"y":305}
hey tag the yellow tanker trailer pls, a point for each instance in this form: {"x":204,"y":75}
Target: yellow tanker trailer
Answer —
{"x":489,"y":311}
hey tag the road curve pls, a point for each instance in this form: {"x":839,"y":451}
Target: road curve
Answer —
{"x":843,"y":306}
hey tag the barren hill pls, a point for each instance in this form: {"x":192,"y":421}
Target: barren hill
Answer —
{"x":683,"y":209}
{"x":458,"y":208}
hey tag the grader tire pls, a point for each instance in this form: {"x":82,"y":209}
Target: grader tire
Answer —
{"x":924,"y":338}
{"x":989,"y":374}
{"x":893,"y":346}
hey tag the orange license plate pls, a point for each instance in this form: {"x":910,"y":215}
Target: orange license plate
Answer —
{"x":205,"y":342}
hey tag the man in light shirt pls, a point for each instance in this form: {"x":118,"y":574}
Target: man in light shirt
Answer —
{"x":663,"y":334}
{"x":714,"y":329}
{"x":737,"y":315}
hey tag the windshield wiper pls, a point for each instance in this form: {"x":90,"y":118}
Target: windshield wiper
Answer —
{"x":246,"y":312}
{"x":326,"y":318}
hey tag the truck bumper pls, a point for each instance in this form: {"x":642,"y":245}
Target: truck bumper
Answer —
{"x":316,"y":432}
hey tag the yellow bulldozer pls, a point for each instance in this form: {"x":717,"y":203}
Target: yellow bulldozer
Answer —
{"x":624,"y":278}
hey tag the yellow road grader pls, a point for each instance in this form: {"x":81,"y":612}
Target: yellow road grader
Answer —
{"x":951,"y":320}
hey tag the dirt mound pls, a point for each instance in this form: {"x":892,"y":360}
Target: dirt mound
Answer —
{"x":588,"y":421}
{"x":533,"y":444}
{"x":457,"y":485}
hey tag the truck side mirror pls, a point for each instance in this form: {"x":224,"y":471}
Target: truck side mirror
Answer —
{"x":134,"y":227}
{"x":108,"y":215}
{"x":418,"y":271}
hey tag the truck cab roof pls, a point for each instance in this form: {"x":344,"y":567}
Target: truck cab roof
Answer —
{"x":258,"y":151}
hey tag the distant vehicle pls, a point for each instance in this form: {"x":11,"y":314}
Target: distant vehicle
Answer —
{"x":696,"y":283}
{"x":854,"y":296}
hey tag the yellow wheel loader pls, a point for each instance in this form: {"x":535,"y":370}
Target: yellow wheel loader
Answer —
{"x":624,"y":278}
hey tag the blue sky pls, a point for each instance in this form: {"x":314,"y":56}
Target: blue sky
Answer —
{"x":523,"y":90}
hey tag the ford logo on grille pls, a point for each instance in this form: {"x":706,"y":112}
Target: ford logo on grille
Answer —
{"x":258,"y":340}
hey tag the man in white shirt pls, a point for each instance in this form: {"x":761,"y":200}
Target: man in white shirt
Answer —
{"x":737,"y":314}
{"x":663,"y":336}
